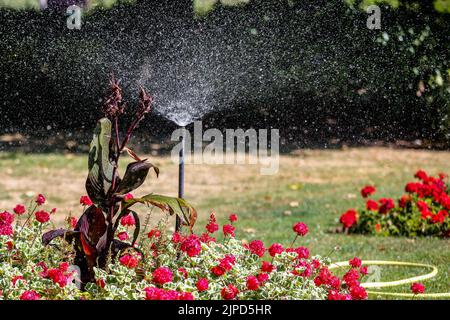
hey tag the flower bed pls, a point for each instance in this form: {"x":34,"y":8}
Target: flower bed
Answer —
{"x":168,"y":266}
{"x":422,"y":211}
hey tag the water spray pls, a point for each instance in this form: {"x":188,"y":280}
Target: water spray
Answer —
{"x":180,"y":177}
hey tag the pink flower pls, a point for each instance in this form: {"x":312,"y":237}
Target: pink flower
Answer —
{"x":233,"y":218}
{"x":252,"y":283}
{"x":191,"y":245}
{"x":355,"y":262}
{"x":202,"y":284}
{"x":42,"y":216}
{"x":229,"y":292}
{"x":162,"y":275}
{"x":19,"y":209}
{"x":228,"y":229}
{"x":417,"y":288}
{"x":257,"y":247}
{"x":30,"y":295}
{"x":40,"y":200}
{"x":129,"y":261}
{"x":122,"y":236}
{"x":300,"y":228}
{"x":85,"y":201}
{"x":127,"y":220}
{"x":275,"y":249}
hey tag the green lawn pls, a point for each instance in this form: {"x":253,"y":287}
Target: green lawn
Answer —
{"x":266,"y":205}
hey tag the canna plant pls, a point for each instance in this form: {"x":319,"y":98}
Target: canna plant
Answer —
{"x":93,"y":236}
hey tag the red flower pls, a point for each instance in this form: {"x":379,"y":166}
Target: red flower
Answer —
{"x":85,"y":201}
{"x":184,"y":272}
{"x":233,"y":218}
{"x":387,"y":204}
{"x":15,"y":279}
{"x":205,"y":238}
{"x":439,"y":217}
{"x":300,"y":228}
{"x":162,"y":275}
{"x":129,"y":261}
{"x":127,"y":197}
{"x":355,"y":262}
{"x":363,"y":270}
{"x":228,"y":229}
{"x":252,"y":283}
{"x":377,"y":227}
{"x":421,"y":175}
{"x":42,"y":216}
{"x":127,"y":220}
{"x":218,"y":271}
{"x":30,"y":295}
{"x":335,"y":295}
{"x":275,"y":248}
{"x":372,"y":205}
{"x":349,"y":218}
{"x":267,"y":267}
{"x":417,"y":288}
{"x":323,"y":277}
{"x":6,"y":229}
{"x":367,"y":191}
{"x":202,"y":284}
{"x":257,"y":247}
{"x":123,"y":236}
{"x":351,"y":277}
{"x":176,"y":237}
{"x":58,"y":277}
{"x":101,"y":283}
{"x":154,"y":233}
{"x":229,"y":292}
{"x":358,"y":293}
{"x":191,"y":245}
{"x":19,"y":209}
{"x":72,"y":221}
{"x":40,"y":200}
{"x":262,"y":277}
{"x":185,"y":296}
{"x":6,"y":217}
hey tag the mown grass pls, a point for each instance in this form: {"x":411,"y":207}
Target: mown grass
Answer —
{"x":328,"y":181}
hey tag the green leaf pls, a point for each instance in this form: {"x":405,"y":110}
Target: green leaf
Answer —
{"x":171,"y":205}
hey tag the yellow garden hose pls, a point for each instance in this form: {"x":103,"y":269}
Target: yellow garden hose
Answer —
{"x":430,"y":275}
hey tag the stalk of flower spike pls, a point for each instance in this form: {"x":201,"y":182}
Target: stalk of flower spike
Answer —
{"x":180,"y":179}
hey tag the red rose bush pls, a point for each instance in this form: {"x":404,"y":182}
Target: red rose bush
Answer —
{"x":422,"y":211}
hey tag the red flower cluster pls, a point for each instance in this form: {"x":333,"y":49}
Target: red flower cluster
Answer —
{"x":191,"y":245}
{"x":30,"y":295}
{"x":368,"y":191}
{"x":275,"y":249}
{"x":212,"y":225}
{"x":300,"y":229}
{"x":129,"y":261}
{"x":127,"y":220}
{"x":225,"y":264}
{"x":202,"y":285}
{"x":42,"y":216}
{"x":229,"y":292}
{"x":40,"y":200}
{"x":85,"y":201}
{"x":417,"y":288}
{"x":162,"y":275}
{"x":228,"y":229}
{"x":6,"y":220}
{"x":153,"y":293}
{"x":257,"y":247}
{"x":349,"y":218}
{"x":60,"y":275}
{"x":19,"y":209}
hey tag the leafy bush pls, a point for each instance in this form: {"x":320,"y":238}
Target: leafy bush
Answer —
{"x":423,"y":211}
